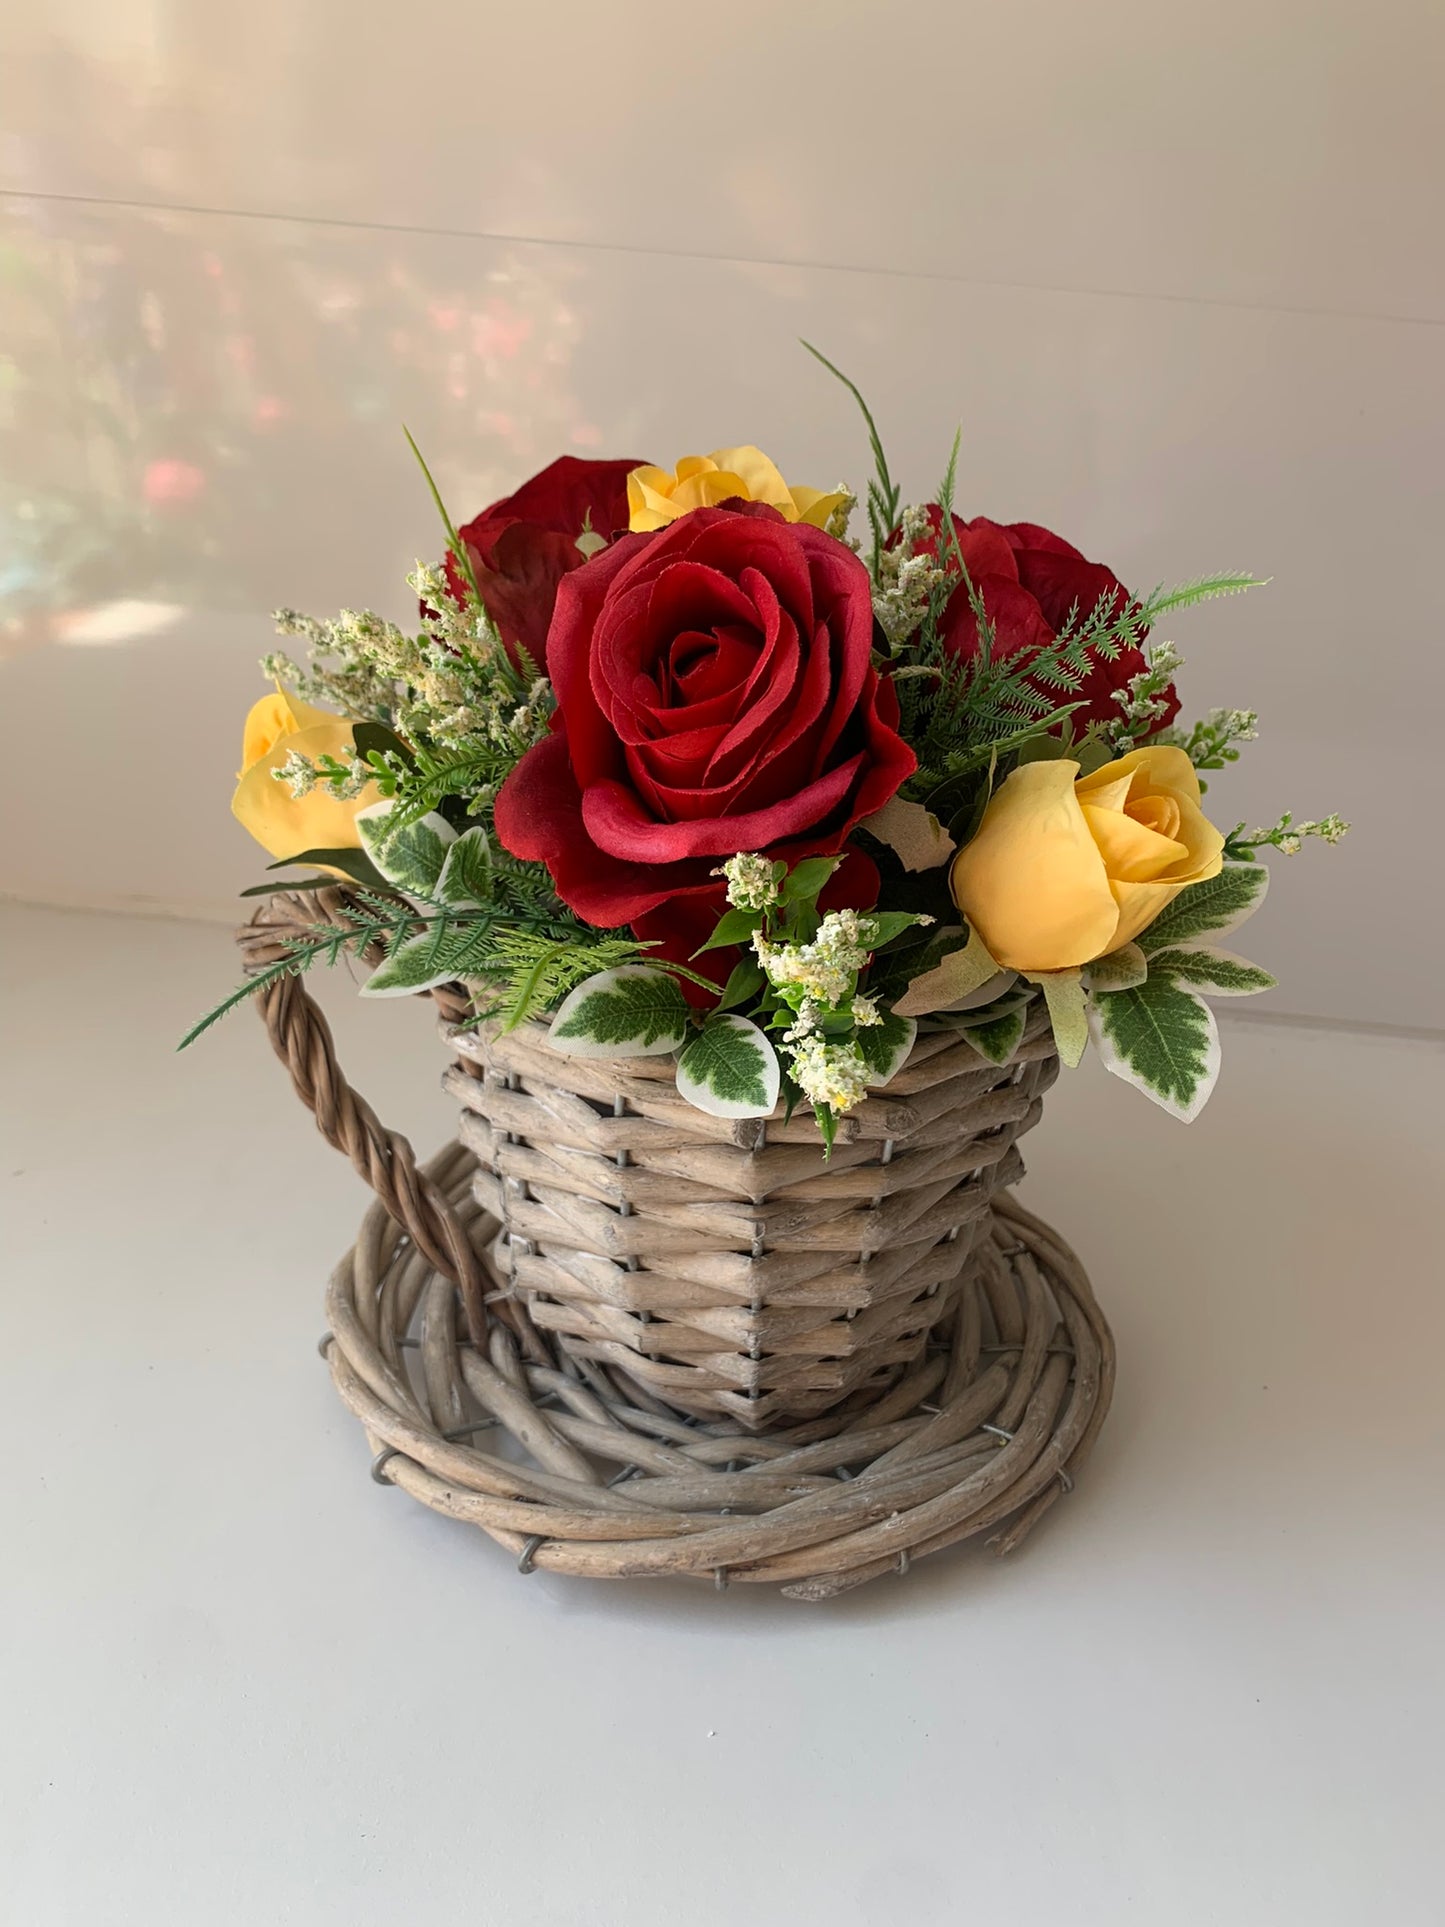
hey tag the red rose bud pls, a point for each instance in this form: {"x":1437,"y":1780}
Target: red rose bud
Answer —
{"x":521,"y":547}
{"x":1030,"y":580}
{"x":716,"y":693}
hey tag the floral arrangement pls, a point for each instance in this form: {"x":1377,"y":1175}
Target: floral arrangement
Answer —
{"x":674,"y":761}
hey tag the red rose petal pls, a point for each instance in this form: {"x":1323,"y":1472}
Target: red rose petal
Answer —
{"x":617,"y":824}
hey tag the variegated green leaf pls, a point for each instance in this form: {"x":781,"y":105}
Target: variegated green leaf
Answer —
{"x":437,"y":956}
{"x":914,"y":834}
{"x":1120,"y":970}
{"x":729,"y":1069}
{"x":1000,"y":1037}
{"x":1017,"y":997}
{"x":1209,"y":909}
{"x":1213,"y":973}
{"x":411,"y":859}
{"x":961,"y":973}
{"x":884,"y":1047}
{"x":1161,"y":1038}
{"x":466,"y":875}
{"x":1064,"y":994}
{"x":633,"y":1011}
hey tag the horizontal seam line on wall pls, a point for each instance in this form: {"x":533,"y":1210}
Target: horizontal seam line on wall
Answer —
{"x":218,"y":918}
{"x":722,"y":260}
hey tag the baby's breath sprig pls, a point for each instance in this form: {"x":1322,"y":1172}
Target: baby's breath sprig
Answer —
{"x":1144,"y":699}
{"x":345,"y":776}
{"x":824,"y":971}
{"x":752,"y":881}
{"x":910,"y":583}
{"x":1209,"y":743}
{"x":1286,"y":836}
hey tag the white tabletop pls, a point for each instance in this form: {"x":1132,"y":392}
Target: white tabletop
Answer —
{"x":244,"y":1686}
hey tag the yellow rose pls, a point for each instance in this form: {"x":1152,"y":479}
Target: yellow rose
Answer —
{"x":280,"y":822}
{"x":655,"y":497}
{"x":1063,"y":870}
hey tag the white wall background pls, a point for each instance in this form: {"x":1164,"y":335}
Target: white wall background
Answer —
{"x":1176,"y":270}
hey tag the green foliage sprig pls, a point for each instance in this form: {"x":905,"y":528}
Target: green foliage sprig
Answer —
{"x":884,"y":494}
{"x":1286,"y":835}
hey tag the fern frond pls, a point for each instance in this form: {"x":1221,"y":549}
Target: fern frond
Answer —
{"x":1204,"y":588}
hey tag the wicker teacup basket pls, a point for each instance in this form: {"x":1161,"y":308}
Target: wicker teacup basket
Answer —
{"x":629,"y":1339}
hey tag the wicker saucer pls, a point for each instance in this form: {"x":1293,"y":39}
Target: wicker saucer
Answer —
{"x":954,"y":1386}
{"x":578,"y":1470}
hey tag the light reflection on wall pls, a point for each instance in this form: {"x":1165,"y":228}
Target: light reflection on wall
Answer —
{"x":206,"y":412}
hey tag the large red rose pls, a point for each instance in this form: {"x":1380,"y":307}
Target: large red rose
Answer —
{"x":715,"y":693}
{"x":523,"y":546}
{"x":1030,"y":580}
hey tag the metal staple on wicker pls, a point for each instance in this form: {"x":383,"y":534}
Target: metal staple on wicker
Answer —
{"x":721,"y":1358}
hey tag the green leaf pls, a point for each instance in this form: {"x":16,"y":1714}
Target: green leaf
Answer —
{"x":634,"y":1011}
{"x":733,"y":926}
{"x":461,"y":554}
{"x":961,"y":972}
{"x":883,"y":491}
{"x":1121,"y":970}
{"x":1161,"y":1038}
{"x":806,"y":879}
{"x":412,"y":858}
{"x":913,"y":833}
{"x":987,"y":1011}
{"x":827,"y":1127}
{"x":1042,"y":748}
{"x":730,"y":1069}
{"x":466,"y":873}
{"x":354,"y":863}
{"x":884,"y":1047}
{"x":1209,"y":909}
{"x":744,"y":983}
{"x":1064,"y":994}
{"x":888,"y":924}
{"x":590,"y":540}
{"x":299,"y":884}
{"x":418,"y":964}
{"x":1214,"y":973}
{"x":375,"y":739}
{"x":999,"y":1038}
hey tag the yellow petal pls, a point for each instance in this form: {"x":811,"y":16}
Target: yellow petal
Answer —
{"x":1203,"y":843}
{"x":1107,"y":788}
{"x":1032,"y":881}
{"x":760,"y":478}
{"x":1139,"y":904}
{"x":1158,"y":813}
{"x":286,"y":825}
{"x":706,"y":488}
{"x":654,"y":509}
{"x":1132,"y":852}
{"x":272,"y":717}
{"x":1162,"y":766}
{"x":814,"y":506}
{"x":691,"y":465}
{"x":648,"y":490}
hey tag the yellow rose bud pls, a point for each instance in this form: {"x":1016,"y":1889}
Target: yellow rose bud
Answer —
{"x":1064,"y":870}
{"x":281,"y":823}
{"x":655,"y":497}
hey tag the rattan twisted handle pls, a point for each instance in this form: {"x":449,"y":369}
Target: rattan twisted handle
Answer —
{"x":301,"y":1038}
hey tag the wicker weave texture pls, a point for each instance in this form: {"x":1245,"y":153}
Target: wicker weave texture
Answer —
{"x":574,"y":1470}
{"x":722,"y":1266}
{"x":573,"y":1464}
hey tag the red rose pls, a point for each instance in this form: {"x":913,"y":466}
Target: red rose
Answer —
{"x":1030,"y":580}
{"x":715,"y":693}
{"x":522,"y":547}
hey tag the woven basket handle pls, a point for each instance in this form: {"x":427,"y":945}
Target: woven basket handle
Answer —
{"x":301,"y":1038}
